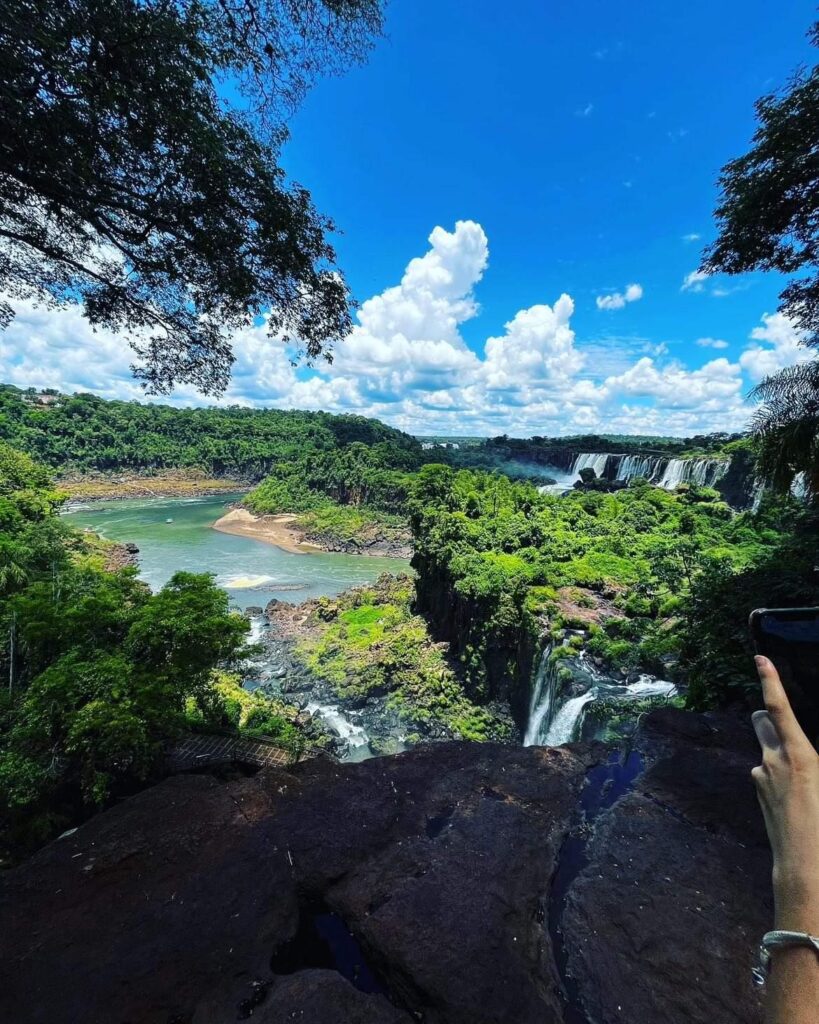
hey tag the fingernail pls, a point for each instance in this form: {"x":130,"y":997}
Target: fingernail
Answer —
{"x":761,"y":661}
{"x":765,"y":730}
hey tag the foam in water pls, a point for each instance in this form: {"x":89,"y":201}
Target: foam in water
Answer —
{"x":649,"y":686}
{"x":566,"y":723}
{"x":244,"y":582}
{"x":354,"y":734}
{"x":553,"y":722}
{"x":257,"y":628}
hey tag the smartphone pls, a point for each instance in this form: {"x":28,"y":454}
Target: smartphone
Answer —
{"x":790,"y":638}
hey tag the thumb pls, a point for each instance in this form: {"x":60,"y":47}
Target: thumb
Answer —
{"x":765,"y":731}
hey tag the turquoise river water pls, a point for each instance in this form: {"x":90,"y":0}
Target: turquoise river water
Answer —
{"x":175,"y":534}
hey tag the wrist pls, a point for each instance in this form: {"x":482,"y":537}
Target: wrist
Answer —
{"x":793,"y":881}
{"x":797,"y":905}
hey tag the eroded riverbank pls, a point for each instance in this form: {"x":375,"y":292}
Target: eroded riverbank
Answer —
{"x":171,"y":484}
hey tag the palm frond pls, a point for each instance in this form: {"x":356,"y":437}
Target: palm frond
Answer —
{"x":786,"y":426}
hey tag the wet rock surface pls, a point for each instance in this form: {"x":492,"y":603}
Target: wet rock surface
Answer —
{"x":324,"y":997}
{"x":663,"y":922}
{"x":414,"y":887}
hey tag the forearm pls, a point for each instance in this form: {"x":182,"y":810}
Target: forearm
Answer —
{"x":793,"y":983}
{"x":793,"y":987}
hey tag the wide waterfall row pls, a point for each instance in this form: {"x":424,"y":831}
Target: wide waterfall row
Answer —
{"x":659,"y":470}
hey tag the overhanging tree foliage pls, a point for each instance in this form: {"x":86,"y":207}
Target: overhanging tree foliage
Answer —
{"x":768,"y":218}
{"x":128,"y":182}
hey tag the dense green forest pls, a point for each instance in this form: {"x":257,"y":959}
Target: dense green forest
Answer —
{"x":681,"y":571}
{"x":86,"y":433}
{"x":98,"y":672}
{"x":504,"y":451}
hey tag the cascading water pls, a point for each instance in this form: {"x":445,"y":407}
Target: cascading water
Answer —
{"x":703,"y":472}
{"x":591,"y":460}
{"x":353,"y":734}
{"x":631,"y":466}
{"x":541,"y":706}
{"x":566,"y":723}
{"x":665,"y":472}
{"x":554,"y":720}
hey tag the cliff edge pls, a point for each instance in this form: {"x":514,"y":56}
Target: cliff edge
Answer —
{"x":455,"y":883}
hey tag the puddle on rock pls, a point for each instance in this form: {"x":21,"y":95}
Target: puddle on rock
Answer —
{"x":323,"y":940}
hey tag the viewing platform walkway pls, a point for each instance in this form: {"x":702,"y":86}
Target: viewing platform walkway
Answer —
{"x":200,"y":750}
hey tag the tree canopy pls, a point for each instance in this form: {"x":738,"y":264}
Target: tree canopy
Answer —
{"x":84,"y":432}
{"x":130,"y":184}
{"x":768,"y":219}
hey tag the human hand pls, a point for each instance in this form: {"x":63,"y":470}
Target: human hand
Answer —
{"x":787,"y":784}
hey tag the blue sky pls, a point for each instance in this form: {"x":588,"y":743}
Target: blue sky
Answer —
{"x":578,"y":144}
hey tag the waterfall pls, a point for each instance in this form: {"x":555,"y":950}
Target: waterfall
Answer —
{"x":798,"y":489}
{"x":664,"y":472}
{"x":554,"y":721}
{"x":341,"y":725}
{"x":541,"y":706}
{"x":799,"y":486}
{"x":566,"y":723}
{"x":591,"y":460}
{"x":258,"y":624}
{"x":703,"y":472}
{"x":630,"y":466}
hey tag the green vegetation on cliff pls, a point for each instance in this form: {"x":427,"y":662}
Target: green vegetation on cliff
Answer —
{"x":349,"y":495}
{"x":376,"y":476}
{"x":495,"y":559}
{"x":367,"y":642}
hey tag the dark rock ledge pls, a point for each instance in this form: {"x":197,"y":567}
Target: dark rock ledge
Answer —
{"x":206,"y":902}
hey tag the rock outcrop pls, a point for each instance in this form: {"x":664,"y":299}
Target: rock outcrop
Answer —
{"x":406,"y":888}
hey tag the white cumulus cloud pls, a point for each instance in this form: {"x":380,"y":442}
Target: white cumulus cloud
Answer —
{"x":781,"y":347}
{"x":617,"y":300}
{"x":408,"y":363}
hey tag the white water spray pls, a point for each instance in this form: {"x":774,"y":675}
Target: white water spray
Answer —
{"x":566,"y":723}
{"x":332,"y":715}
{"x":554,"y":721}
{"x":665,"y":472}
{"x":541,"y":706}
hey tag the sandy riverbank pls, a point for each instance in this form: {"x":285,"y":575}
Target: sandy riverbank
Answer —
{"x":278,"y":530}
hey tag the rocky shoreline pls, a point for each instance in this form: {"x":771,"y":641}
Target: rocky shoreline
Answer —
{"x":282,"y":673}
{"x":121,"y":556}
{"x":439,"y":885}
{"x":392,"y":724}
{"x":103,"y":487}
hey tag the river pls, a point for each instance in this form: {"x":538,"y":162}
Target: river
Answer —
{"x":175,"y":534}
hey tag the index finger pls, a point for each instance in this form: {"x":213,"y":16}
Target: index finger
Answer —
{"x":777,"y":704}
